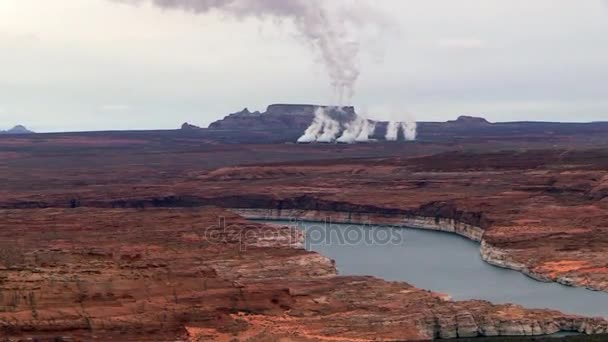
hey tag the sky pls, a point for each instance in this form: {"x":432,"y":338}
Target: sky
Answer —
{"x":73,"y":65}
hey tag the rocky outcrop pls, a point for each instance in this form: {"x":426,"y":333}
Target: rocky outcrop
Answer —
{"x":298,"y":109}
{"x":187,"y":126}
{"x":279,"y":118}
{"x":465,"y":120}
{"x":419,"y":222}
{"x":569,"y":277}
{"x":206,"y":274}
{"x":19,"y":129}
{"x":276,"y":117}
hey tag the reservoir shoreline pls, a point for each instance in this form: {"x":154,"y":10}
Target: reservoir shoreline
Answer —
{"x":489,"y":253}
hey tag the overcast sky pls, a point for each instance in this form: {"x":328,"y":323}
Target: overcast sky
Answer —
{"x":98,"y":64}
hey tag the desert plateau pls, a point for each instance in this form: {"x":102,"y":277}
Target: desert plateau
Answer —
{"x":143,"y":235}
{"x":303,"y":170}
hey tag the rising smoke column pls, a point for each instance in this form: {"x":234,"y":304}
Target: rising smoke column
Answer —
{"x":325,"y":30}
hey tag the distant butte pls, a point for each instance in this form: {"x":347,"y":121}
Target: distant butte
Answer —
{"x":279,"y":117}
{"x":187,"y":126}
{"x":470,"y":120}
{"x":19,"y":129}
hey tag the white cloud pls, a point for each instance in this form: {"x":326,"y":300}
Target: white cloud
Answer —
{"x":461,"y":43}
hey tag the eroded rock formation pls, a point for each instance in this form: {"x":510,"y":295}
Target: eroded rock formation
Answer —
{"x":102,"y":236}
{"x":19,"y":129}
{"x":205,"y":274}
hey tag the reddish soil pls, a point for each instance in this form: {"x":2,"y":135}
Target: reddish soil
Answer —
{"x":107,"y":240}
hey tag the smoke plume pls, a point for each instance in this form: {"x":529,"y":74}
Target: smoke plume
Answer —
{"x":358,"y":130}
{"x":392,"y":131}
{"x":330,"y":31}
{"x":314,"y":130}
{"x":323,"y":128}
{"x":331,"y":128}
{"x":367,"y":130}
{"x":352,"y":131}
{"x":409,"y":129}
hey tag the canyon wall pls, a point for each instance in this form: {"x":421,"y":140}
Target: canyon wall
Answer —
{"x":418,"y":222}
{"x":489,"y":253}
{"x":205,"y":274}
{"x":507,"y":259}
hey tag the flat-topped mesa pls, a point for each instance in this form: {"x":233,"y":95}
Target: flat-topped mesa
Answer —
{"x":295,"y":117}
{"x":470,"y":121}
{"x":304,"y":109}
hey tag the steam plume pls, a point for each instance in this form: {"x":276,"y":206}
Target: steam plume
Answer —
{"x":392,"y":131}
{"x":352,"y":131}
{"x":314,"y":130}
{"x":358,"y":130}
{"x":409,"y":130}
{"x":331,"y":128}
{"x":322,"y":129}
{"x":367,"y":130}
{"x":325,"y":30}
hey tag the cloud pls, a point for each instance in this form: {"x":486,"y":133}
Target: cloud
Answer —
{"x":461,"y":43}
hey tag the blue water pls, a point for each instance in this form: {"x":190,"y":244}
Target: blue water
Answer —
{"x":441,"y":262}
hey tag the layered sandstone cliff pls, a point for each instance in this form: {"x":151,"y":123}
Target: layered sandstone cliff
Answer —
{"x":205,"y":274}
{"x":419,"y":222}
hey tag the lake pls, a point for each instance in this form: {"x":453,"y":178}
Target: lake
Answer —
{"x":441,"y":262}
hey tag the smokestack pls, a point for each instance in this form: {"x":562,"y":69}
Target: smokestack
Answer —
{"x":329,"y":32}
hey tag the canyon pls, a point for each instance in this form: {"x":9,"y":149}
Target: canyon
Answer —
{"x":128,"y":234}
{"x":91,"y":273}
